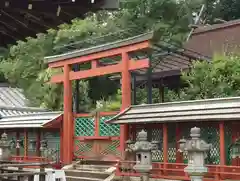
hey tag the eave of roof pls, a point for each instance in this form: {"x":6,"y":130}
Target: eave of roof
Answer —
{"x":33,"y":120}
{"x":99,"y":48}
{"x":18,"y":111}
{"x":214,"y":27}
{"x":198,"y":110}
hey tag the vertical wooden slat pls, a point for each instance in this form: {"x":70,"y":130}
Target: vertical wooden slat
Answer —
{"x":165,"y":145}
{"x":25,"y":142}
{"x":222,"y":143}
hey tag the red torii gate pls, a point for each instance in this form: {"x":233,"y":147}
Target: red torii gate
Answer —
{"x":93,"y":55}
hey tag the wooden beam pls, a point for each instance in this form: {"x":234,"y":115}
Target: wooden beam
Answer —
{"x":99,"y":55}
{"x":110,"y":69}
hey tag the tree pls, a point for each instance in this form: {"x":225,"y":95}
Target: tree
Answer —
{"x":215,"y":79}
{"x":228,"y":9}
{"x":24,"y":66}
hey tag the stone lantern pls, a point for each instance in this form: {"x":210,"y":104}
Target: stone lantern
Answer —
{"x":5,"y":145}
{"x":19,"y":144}
{"x":143,"y":150}
{"x":44,"y":145}
{"x":32,"y":145}
{"x":236,"y":149}
{"x":196,"y":149}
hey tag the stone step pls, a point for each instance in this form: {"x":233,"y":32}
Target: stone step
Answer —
{"x":99,"y":168}
{"x":72,"y":178}
{"x":97,"y":162}
{"x":85,"y":173}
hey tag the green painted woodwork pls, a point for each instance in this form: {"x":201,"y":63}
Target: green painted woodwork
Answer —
{"x":108,"y":129}
{"x":84,"y":126}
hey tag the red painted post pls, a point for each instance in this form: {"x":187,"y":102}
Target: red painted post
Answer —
{"x":126,"y":97}
{"x":222,"y":143}
{"x":25,"y":142}
{"x":67,"y":117}
{"x":61,"y":142}
{"x":165,"y":146}
{"x":96,"y":146}
{"x":97,"y":124}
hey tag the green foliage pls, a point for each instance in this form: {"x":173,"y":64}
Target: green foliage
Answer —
{"x":227,"y":9}
{"x":113,"y":103}
{"x":215,"y":79}
{"x":24,"y":67}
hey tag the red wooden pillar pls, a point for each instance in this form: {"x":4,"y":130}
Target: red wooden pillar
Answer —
{"x":67,"y":117}
{"x":38,"y":142}
{"x":17,"y":138}
{"x":97,"y":125}
{"x":126,"y":97}
{"x":222,"y":143}
{"x":96,"y":146}
{"x":25,"y":143}
{"x":165,"y":145}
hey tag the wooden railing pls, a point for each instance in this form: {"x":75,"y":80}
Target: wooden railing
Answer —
{"x":30,"y":159}
{"x":175,"y":171}
{"x":15,"y":171}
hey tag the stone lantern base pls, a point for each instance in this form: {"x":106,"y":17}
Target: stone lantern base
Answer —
{"x":196,"y":173}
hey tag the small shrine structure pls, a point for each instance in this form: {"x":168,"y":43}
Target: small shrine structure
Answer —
{"x":168,"y":123}
{"x":26,"y":127}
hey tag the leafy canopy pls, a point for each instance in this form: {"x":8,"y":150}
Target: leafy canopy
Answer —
{"x":215,"y":79}
{"x":23,"y":64}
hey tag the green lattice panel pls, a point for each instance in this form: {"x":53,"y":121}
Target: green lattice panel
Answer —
{"x":82,"y":148}
{"x":84,"y":126}
{"x":172,"y":143}
{"x":108,"y":129}
{"x":156,"y":135}
{"x":31,"y":136}
{"x":53,"y":141}
{"x":12,"y":135}
{"x":112,"y":148}
{"x":211,"y":135}
{"x":228,"y":141}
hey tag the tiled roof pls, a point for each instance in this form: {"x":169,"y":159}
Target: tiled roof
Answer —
{"x":198,"y":110}
{"x":15,"y":113}
{"x":32,"y":120}
{"x":12,"y":97}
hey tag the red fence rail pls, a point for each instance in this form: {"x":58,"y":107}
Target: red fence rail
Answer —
{"x":175,"y":171}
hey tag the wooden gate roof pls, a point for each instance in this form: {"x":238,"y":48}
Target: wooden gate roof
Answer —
{"x":166,"y":59}
{"x":220,"y":109}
